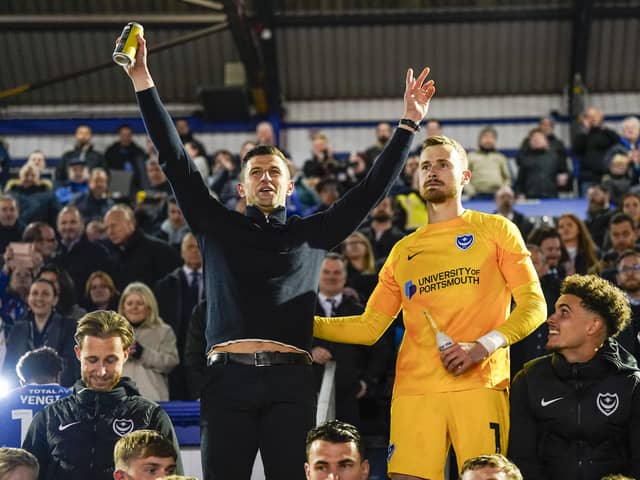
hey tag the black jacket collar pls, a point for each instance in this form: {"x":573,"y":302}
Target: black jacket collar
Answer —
{"x":279,"y":215}
{"x":125,"y":388}
{"x":610,"y":356}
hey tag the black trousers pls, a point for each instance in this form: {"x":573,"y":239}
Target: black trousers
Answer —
{"x":247,"y":408}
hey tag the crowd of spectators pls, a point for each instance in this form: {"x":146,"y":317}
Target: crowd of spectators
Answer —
{"x":72,"y":244}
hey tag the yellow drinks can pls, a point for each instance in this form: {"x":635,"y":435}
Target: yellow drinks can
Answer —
{"x":125,"y":51}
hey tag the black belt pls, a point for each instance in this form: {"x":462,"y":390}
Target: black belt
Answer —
{"x":259,"y":359}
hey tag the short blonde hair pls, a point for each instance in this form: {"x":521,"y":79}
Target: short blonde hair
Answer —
{"x":142,"y":444}
{"x":441,"y":140}
{"x":12,"y":458}
{"x":153,"y":317}
{"x":495,"y":460}
{"x":104,"y":324}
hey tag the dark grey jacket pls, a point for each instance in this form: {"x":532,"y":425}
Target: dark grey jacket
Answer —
{"x":73,"y":438}
{"x":577,"y":421}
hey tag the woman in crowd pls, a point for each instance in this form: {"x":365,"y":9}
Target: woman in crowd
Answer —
{"x":67,"y":305}
{"x":583,"y":252}
{"x":361,"y":267}
{"x":154,"y":352}
{"x":101,"y":292}
{"x":43,"y":326}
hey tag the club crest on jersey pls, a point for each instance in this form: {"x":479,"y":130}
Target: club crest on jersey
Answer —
{"x":607,"y":403}
{"x":122,"y":426}
{"x":463,"y":242}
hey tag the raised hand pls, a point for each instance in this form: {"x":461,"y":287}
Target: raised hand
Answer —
{"x":138,"y":70}
{"x":417,"y":95}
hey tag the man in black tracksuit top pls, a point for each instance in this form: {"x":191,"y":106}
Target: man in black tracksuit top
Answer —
{"x":261,"y":275}
{"x":73,"y":438}
{"x":575,"y":414}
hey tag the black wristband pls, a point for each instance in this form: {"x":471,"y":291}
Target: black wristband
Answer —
{"x":411,"y":124}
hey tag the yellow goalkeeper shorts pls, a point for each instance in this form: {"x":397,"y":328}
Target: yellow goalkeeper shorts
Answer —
{"x":423,"y":428}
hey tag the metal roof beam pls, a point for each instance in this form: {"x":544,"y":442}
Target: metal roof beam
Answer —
{"x":249,"y":36}
{"x":580,"y":32}
{"x":106,"y":21}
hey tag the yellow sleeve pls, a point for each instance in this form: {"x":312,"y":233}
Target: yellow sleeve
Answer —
{"x":365,"y":329}
{"x":529,"y":314}
{"x":522,"y":279}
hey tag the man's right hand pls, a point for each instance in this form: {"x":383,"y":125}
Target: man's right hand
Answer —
{"x":138,"y":70}
{"x":320,"y":355}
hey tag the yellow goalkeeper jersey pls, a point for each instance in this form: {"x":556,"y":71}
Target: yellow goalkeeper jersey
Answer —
{"x":464,"y":272}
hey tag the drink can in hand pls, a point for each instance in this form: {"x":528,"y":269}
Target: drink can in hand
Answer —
{"x":125,"y":51}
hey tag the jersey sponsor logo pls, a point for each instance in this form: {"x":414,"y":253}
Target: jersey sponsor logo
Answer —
{"x":39,"y":399}
{"x":607,"y":403}
{"x":449,"y":278}
{"x":546,"y":403}
{"x":62,"y":428}
{"x":409,"y":257}
{"x":463,"y":242}
{"x":390,"y":450}
{"x":122,"y":426}
{"x":410,"y":289}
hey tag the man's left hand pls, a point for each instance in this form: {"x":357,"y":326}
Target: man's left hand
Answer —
{"x":417,"y":95}
{"x":460,"y":357}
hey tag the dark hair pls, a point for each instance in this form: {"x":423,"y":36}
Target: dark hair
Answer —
{"x":624,"y":197}
{"x":66,"y":295}
{"x":42,"y":365}
{"x":621,"y":218}
{"x":586,"y":244}
{"x":327,"y":184}
{"x":602,"y":298}
{"x":196,"y":146}
{"x":123,"y":126}
{"x":495,"y":460}
{"x":602,"y":186}
{"x":46,"y":282}
{"x":263,"y":150}
{"x":33,"y":231}
{"x":338,"y":257}
{"x":535,"y":130}
{"x":538,"y":235}
{"x":488,"y":129}
{"x":625,"y":254}
{"x":335,"y":431}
